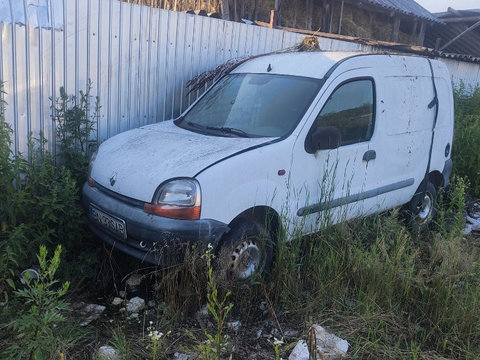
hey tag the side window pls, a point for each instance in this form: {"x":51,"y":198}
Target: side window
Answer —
{"x":350,"y":109}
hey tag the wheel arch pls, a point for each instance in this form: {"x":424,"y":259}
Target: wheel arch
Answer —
{"x":263,"y":215}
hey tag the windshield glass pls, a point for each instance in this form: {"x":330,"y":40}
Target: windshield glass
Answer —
{"x":252,"y":105}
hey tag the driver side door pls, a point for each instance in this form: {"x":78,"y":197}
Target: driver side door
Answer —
{"x":327,"y":184}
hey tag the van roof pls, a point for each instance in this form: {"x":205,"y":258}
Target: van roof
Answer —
{"x":313,"y":64}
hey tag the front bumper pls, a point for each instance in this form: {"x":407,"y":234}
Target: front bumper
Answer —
{"x":150,"y":238}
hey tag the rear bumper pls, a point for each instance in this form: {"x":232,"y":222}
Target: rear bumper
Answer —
{"x":150,"y":238}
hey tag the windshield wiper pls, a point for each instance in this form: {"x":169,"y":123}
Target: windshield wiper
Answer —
{"x":229,"y":130}
{"x":195,"y":125}
{"x":224,"y":130}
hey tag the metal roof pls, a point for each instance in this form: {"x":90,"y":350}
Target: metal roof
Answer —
{"x":453,"y":13}
{"x":407,"y":7}
{"x":456,"y":22}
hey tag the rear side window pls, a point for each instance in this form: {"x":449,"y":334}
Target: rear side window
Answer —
{"x":350,"y":108}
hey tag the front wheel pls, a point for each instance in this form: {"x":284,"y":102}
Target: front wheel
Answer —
{"x":246,"y":252}
{"x":422,"y":209}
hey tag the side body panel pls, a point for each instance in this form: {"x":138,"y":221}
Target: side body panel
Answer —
{"x":246,"y":180}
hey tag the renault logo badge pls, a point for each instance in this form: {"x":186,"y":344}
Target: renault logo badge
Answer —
{"x":113,"y":178}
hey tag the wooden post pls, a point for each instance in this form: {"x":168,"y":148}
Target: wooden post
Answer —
{"x":414,"y":32}
{"x":250,"y":10}
{"x":330,"y":21}
{"x":242,"y":9}
{"x":309,"y":14}
{"x":295,"y":5}
{"x":273,"y":18}
{"x":235,"y":11}
{"x":396,"y":28}
{"x":278,"y":9}
{"x":225,"y":10}
{"x":325,"y":16}
{"x":421,"y":35}
{"x":340,"y":18}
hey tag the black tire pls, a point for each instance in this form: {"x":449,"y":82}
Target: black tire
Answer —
{"x":422,"y":209}
{"x":246,"y":252}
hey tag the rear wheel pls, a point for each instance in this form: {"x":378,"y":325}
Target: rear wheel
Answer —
{"x":422,"y":209}
{"x":246,"y":252}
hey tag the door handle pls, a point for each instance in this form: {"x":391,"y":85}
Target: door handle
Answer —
{"x":369,"y":155}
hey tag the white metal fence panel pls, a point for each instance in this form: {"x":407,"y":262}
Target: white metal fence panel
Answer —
{"x":138,"y":58}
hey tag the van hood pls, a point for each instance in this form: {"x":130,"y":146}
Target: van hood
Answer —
{"x":136,"y":162}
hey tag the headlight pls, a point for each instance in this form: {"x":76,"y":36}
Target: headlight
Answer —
{"x":177,"y":199}
{"x":91,"y":181}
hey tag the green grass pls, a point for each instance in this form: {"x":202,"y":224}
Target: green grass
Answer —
{"x":389,"y":293}
{"x":465,"y":153}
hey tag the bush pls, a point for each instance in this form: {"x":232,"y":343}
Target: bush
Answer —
{"x":466,"y":154}
{"x":38,"y":326}
{"x":39,"y":201}
{"x":75,"y":125}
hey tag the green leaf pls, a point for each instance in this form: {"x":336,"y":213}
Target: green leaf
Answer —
{"x":11,"y":283}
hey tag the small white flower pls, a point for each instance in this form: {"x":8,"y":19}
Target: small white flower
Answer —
{"x":277,"y":341}
{"x":155,"y":335}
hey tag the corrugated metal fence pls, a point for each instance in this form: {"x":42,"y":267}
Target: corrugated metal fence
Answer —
{"x":138,"y":58}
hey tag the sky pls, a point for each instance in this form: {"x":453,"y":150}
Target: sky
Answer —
{"x":441,"y":5}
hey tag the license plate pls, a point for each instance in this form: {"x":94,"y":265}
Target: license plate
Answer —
{"x":110,"y":222}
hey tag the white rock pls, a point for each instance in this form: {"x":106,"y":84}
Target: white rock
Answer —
{"x":234,"y":325}
{"x":133,"y":316}
{"x":88,"y":312}
{"x":203,"y":312}
{"x":117,"y":301}
{"x":135,"y":305}
{"x":291,"y":333}
{"x":328,"y":345}
{"x":107,"y":353}
{"x":134,"y":281}
{"x":300,"y":351}
{"x":472,"y":224}
{"x":181,"y":356}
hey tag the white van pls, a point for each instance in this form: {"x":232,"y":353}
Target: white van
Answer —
{"x":294,"y":141}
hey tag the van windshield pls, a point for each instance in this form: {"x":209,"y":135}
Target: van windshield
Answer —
{"x":252,"y":105}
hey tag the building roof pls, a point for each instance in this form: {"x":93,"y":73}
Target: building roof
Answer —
{"x":456,"y":22}
{"x":407,"y":7}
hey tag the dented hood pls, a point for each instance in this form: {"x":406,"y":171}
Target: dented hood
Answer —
{"x":136,"y":162}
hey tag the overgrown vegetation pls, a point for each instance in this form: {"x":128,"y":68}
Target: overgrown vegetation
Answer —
{"x":466,"y":154}
{"x":40,"y":208}
{"x":74,"y":125}
{"x":392,"y":294}
{"x":41,"y":325}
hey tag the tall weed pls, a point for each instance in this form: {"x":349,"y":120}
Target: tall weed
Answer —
{"x":39,"y":201}
{"x":392,"y":293}
{"x":465,"y":154}
{"x":75,"y":124}
{"x":39,"y":327}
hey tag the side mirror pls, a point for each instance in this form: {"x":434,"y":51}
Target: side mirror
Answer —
{"x":323,"y":138}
